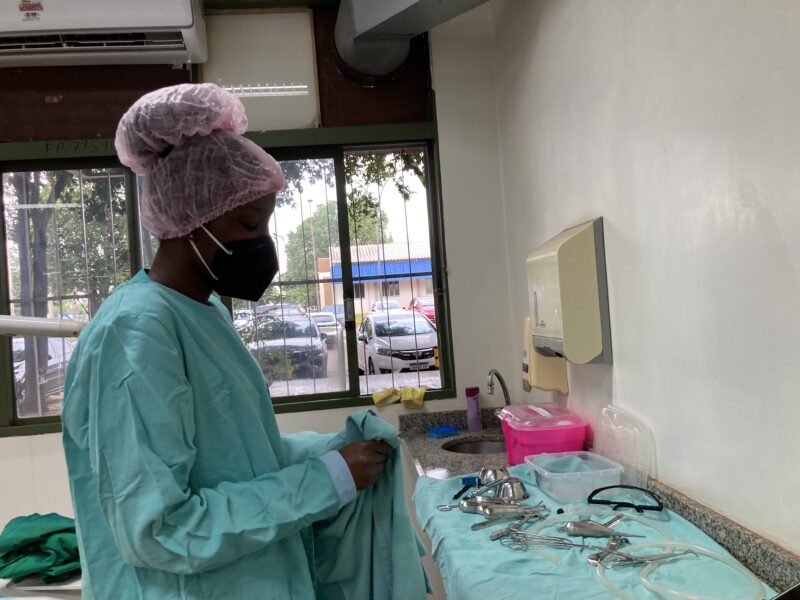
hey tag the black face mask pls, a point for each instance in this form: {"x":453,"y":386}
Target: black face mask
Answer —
{"x":242,"y":269}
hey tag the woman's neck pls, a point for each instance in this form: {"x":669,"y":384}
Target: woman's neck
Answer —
{"x":177,"y":268}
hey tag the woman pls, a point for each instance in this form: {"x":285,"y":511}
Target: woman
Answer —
{"x":182,"y":485}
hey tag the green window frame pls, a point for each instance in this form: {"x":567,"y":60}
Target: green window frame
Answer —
{"x":331,"y":143}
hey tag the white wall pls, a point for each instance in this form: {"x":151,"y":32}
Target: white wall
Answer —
{"x":678,"y":123}
{"x":34,"y":477}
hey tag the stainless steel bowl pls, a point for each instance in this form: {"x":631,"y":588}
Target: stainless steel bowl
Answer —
{"x":488,"y":475}
{"x":513,"y":490}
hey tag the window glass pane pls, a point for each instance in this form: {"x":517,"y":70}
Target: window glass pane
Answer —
{"x":299,"y":351}
{"x":296,"y":331}
{"x":148,"y":240}
{"x":387,"y":204}
{"x":67,"y":247}
{"x":46,"y":360}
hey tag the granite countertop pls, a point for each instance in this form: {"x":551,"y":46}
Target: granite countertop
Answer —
{"x":775,"y":565}
{"x":431,"y":460}
{"x":427,"y":454}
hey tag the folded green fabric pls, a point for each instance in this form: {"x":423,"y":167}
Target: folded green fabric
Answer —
{"x":44,"y":545}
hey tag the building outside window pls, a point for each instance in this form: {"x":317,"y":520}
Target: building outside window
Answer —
{"x":390,"y":288}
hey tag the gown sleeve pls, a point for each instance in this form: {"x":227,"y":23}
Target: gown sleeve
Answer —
{"x":140,"y":439}
{"x":298,"y":447}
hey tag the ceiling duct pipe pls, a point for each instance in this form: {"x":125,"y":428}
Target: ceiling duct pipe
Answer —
{"x":372,"y":37}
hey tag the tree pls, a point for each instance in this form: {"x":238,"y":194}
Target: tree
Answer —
{"x":71,"y":238}
{"x":367,"y":174}
{"x":93,"y":241}
{"x":320,"y":232}
{"x":299,"y":173}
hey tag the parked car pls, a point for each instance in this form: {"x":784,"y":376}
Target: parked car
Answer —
{"x":425,"y":305}
{"x":327,"y":323}
{"x":385,"y":305}
{"x":281,"y":310}
{"x":338,"y":310}
{"x":394,"y":341}
{"x":292,"y":346}
{"x":51,"y":383}
{"x":286,"y":310}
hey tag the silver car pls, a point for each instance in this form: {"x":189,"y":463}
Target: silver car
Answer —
{"x":327,"y":323}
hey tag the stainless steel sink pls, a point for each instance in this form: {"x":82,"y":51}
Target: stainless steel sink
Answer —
{"x":488,"y":446}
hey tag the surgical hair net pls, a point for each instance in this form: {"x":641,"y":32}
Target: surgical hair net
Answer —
{"x":186,"y":141}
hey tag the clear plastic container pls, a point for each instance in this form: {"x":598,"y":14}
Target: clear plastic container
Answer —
{"x":624,"y":438}
{"x":572,"y":476}
{"x":530,"y":429}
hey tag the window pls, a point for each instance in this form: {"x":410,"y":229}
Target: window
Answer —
{"x":298,"y":355}
{"x":66,"y":250}
{"x":390,"y":288}
{"x":391,"y":250}
{"x":358,"y":237}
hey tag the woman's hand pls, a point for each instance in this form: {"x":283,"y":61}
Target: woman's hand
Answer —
{"x":366,"y":460}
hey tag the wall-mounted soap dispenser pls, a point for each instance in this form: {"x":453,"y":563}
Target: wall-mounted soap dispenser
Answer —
{"x":568,"y":296}
{"x":548,"y":373}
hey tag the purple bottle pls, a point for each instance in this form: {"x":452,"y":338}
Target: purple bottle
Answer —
{"x":473,"y":409}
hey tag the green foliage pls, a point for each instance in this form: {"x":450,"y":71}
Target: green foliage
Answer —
{"x":368,"y":173}
{"x":320,"y":233}
{"x":69,"y":249}
{"x":367,"y":176}
{"x":83,"y":247}
{"x":276,"y":366}
{"x":299,"y":173}
{"x":93,"y":242}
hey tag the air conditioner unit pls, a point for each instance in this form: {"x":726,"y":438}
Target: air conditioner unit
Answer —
{"x":37,"y":33}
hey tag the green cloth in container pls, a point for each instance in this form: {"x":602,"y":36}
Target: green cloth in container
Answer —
{"x":44,"y":545}
{"x":565,"y":464}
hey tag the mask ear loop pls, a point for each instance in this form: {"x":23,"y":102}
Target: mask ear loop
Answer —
{"x":216,"y":241}
{"x":200,"y":256}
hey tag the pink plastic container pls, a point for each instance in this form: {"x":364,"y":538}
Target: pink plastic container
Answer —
{"x":544,"y":428}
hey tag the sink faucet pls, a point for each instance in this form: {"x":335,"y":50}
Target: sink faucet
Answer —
{"x":490,"y":385}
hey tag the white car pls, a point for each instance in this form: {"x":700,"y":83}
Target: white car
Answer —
{"x":385,"y":305}
{"x":394,"y":341}
{"x":327,"y":323}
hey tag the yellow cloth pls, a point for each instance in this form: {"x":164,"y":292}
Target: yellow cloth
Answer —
{"x":410,"y":397}
{"x":385,"y":397}
{"x":413,"y":397}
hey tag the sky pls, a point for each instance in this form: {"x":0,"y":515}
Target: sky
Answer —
{"x":288,"y":218}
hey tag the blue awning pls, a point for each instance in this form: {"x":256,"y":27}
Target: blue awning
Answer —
{"x":395,"y":270}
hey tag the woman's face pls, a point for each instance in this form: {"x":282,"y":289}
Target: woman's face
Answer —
{"x":248,"y":221}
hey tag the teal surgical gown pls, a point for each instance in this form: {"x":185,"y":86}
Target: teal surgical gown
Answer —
{"x":181,"y":483}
